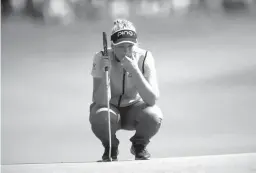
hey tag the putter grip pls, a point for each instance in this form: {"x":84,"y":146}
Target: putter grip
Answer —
{"x":105,"y":47}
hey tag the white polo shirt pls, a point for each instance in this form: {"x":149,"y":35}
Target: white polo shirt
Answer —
{"x":123,"y":91}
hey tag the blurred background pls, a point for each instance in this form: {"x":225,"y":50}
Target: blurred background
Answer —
{"x":205,"y":59}
{"x":67,"y":11}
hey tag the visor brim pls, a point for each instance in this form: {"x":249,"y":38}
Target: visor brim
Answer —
{"x":126,"y":40}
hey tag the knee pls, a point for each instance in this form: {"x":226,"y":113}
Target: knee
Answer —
{"x":152,"y":114}
{"x":99,"y":115}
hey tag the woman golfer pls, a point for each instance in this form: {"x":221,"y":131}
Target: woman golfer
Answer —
{"x":133,"y":93}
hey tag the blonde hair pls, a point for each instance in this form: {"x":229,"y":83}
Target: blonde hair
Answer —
{"x":122,"y":24}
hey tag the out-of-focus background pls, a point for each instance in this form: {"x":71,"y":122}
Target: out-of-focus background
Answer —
{"x":205,"y":58}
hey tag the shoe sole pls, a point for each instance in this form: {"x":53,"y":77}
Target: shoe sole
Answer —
{"x":113,"y":160}
{"x":142,"y":159}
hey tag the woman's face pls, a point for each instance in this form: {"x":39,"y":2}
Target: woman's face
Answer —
{"x":123,"y":49}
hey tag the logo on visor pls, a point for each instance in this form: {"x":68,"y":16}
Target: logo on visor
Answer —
{"x":124,"y":35}
{"x":121,"y":33}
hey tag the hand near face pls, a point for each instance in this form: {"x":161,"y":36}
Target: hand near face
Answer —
{"x":129,"y":64}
